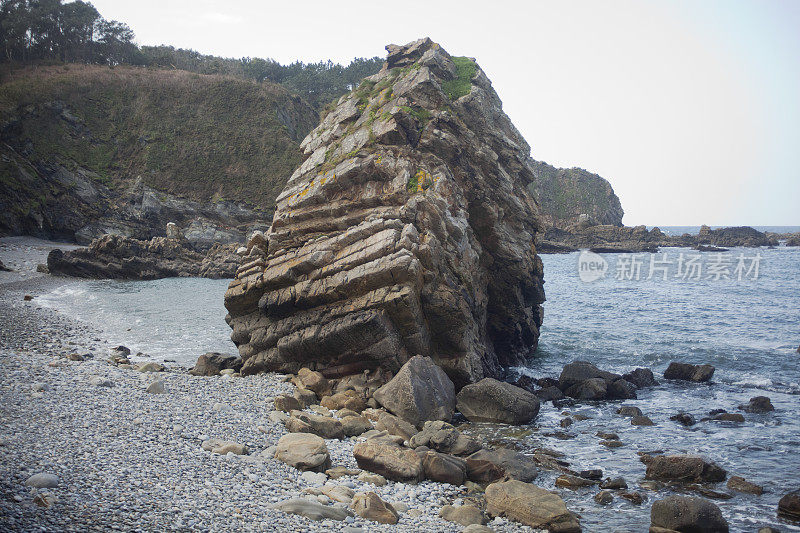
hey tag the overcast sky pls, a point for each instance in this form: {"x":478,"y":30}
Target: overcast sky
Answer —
{"x":691,"y":109}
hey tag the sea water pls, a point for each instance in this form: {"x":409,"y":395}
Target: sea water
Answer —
{"x":748,"y":328}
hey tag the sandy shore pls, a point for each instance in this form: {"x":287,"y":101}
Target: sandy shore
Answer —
{"x":130,"y":460}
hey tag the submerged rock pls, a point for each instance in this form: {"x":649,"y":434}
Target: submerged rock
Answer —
{"x":789,"y":505}
{"x":758,"y":404}
{"x":408,"y":230}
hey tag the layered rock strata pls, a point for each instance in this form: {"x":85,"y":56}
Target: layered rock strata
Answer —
{"x":408,"y":230}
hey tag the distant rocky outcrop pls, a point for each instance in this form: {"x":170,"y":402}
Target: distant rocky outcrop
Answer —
{"x":409,"y":229}
{"x":610,"y":239}
{"x":569,"y":196}
{"x":118,"y":257}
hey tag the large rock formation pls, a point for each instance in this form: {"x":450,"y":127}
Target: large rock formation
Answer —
{"x":408,"y":230}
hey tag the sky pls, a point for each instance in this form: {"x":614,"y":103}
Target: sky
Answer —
{"x":691,"y":109}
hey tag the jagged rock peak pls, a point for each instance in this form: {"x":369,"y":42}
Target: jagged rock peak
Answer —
{"x":408,"y":230}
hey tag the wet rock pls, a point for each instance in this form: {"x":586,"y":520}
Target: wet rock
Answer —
{"x":551,"y":393}
{"x":615,"y":443}
{"x":684,"y":418}
{"x":629,"y":410}
{"x":641,"y":378}
{"x":212,"y":363}
{"x":641,"y":421}
{"x":324,"y":426}
{"x":392,"y":462}
{"x":616,"y":483}
{"x":789,"y":505}
{"x":595,"y":474}
{"x":566,"y":481}
{"x":491,"y":400}
{"x":688,"y":468}
{"x":42,"y":480}
{"x":303,"y":451}
{"x":729,"y":417}
{"x":607,"y":435}
{"x":579,"y":371}
{"x":485,"y":466}
{"x":419,"y":392}
{"x":565,"y":422}
{"x":603,"y":497}
{"x":758,"y":404}
{"x":621,"y":390}
{"x":592,"y":389}
{"x":685,"y":514}
{"x":530,"y":505}
{"x":689,"y":372}
{"x":464,"y":515}
{"x":636,"y":498}
{"x":312,"y":510}
{"x":370,"y":506}
{"x":444,"y":468}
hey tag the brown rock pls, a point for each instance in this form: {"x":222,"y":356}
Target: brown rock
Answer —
{"x":314,"y":381}
{"x":464,"y":515}
{"x":491,"y":400}
{"x":303,"y":451}
{"x":688,"y":468}
{"x":306,"y":397}
{"x":444,"y":468}
{"x":395,"y":426}
{"x":355,"y":425}
{"x":604,"y":497}
{"x":689,"y":372}
{"x":212,"y":363}
{"x":345,"y":400}
{"x":567,"y":481}
{"x":324,"y":426}
{"x":371,"y":507}
{"x":641,"y":421}
{"x":392,"y":462}
{"x":684,"y":514}
{"x":530,"y":505}
{"x":789,"y":505}
{"x":287,"y":403}
{"x":484,"y":464}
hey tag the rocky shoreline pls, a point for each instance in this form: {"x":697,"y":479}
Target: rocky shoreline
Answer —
{"x":205,"y":454}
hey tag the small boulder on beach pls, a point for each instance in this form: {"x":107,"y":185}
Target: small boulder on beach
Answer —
{"x":464,"y":515}
{"x":42,"y":480}
{"x":312,"y":510}
{"x":304,"y":451}
{"x":156,"y":387}
{"x":390,"y":461}
{"x":371,"y":507}
{"x":420,"y":391}
{"x":223,"y":447}
{"x":212,"y":363}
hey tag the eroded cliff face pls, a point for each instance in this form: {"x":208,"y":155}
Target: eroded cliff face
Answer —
{"x":409,"y":229}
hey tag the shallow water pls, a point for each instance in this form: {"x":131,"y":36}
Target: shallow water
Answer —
{"x":748,"y":329}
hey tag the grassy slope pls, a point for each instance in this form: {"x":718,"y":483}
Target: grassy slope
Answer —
{"x":198,"y":136}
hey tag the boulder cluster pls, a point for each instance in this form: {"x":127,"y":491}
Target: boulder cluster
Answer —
{"x":409,"y":229}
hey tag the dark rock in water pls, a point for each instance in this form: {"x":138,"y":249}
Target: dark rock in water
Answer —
{"x":629,"y":410}
{"x":686,"y":514}
{"x":740,"y":484}
{"x":641,"y":378}
{"x":708,"y":248}
{"x":729,"y":417}
{"x":567,"y":481}
{"x":490,"y":400}
{"x":4,"y":268}
{"x":525,"y":382}
{"x":789,"y":505}
{"x":636,"y":498}
{"x":121,"y":350}
{"x":579,"y":371}
{"x":408,"y":230}
{"x":621,"y":390}
{"x":211,"y":363}
{"x":715,"y":412}
{"x":616,"y":483}
{"x":689,"y":372}
{"x":603,"y":497}
{"x":684,"y":418}
{"x":118,"y":257}
{"x":641,"y":420}
{"x":688,"y":468}
{"x":590,"y":389}
{"x":758,"y":404}
{"x":594,"y":474}
{"x":419,"y":392}
{"x":549,"y":394}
